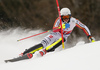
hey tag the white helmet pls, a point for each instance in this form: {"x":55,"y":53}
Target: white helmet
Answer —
{"x":65,"y":11}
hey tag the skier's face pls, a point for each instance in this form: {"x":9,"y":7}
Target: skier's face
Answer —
{"x":66,"y":20}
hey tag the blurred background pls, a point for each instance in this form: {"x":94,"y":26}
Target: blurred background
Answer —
{"x":41,"y":14}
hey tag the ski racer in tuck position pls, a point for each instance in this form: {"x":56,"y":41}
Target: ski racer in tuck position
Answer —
{"x":54,"y":40}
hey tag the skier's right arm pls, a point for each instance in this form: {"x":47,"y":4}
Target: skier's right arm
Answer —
{"x":56,"y":25}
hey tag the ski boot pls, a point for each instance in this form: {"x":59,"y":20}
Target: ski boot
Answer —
{"x":43,"y":52}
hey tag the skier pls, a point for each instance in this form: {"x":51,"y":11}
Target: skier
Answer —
{"x":54,"y":40}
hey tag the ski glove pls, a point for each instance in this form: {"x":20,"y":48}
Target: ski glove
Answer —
{"x":65,"y":26}
{"x":91,"y":39}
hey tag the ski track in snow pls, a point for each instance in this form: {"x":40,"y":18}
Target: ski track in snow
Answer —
{"x":80,"y":57}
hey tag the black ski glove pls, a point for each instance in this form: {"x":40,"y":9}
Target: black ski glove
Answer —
{"x":91,"y":39}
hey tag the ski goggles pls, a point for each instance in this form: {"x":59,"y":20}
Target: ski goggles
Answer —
{"x":65,"y":17}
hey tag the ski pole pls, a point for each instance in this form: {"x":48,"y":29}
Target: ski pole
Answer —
{"x":60,"y":24}
{"x":33,"y":35}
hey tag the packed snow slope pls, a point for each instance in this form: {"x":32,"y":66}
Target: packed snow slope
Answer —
{"x":79,"y":57}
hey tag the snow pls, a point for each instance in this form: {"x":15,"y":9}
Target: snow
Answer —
{"x":80,"y":57}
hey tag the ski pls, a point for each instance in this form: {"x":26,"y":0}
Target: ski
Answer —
{"x":26,"y":56}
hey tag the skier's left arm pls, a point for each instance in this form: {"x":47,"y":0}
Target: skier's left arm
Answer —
{"x":86,"y":30}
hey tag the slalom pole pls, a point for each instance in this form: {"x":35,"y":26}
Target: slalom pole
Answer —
{"x":60,"y":24}
{"x":33,"y":35}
